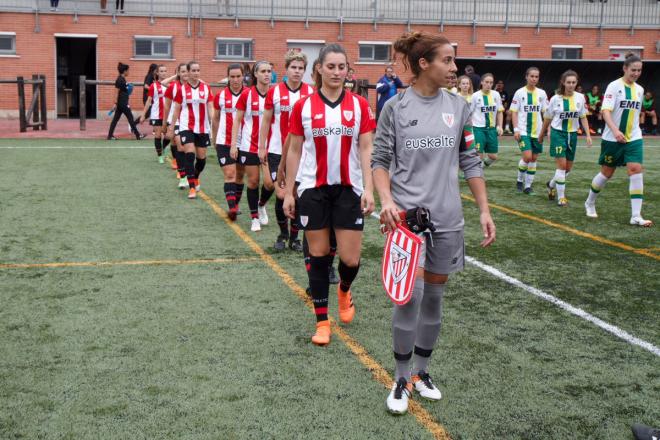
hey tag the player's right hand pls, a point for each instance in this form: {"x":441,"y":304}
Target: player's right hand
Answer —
{"x":620,"y":138}
{"x":262,"y":153}
{"x":516,"y":136}
{"x":233,"y":152}
{"x":289,"y":206}
{"x":281,"y":177}
{"x":389,"y":215}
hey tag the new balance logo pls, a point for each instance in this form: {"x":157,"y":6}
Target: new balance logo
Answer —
{"x":413,"y":122}
{"x":318,"y":116}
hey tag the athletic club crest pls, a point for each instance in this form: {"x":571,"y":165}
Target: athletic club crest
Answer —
{"x":348,"y":114}
{"x":400,"y":258}
{"x":399,"y":262}
{"x":448,"y":118}
{"x":222,"y":160}
{"x":304,"y":220}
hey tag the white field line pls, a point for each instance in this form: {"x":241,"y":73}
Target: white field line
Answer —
{"x":616,"y":331}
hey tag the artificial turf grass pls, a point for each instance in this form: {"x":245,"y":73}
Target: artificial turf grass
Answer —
{"x":144,"y":358}
{"x":488,"y":361}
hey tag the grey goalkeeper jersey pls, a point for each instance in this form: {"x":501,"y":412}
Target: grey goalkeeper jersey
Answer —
{"x":420,"y":141}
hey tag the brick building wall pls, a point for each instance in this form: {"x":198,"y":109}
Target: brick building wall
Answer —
{"x":35,"y":52}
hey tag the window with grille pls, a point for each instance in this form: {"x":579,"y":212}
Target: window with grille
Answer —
{"x":7,"y":44}
{"x":374,"y":52}
{"x":233,"y":49}
{"x":153,"y":47}
{"x":566,"y":53}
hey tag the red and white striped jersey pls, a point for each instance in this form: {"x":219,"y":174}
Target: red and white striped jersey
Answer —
{"x":281,"y":100}
{"x":194,"y":107}
{"x":172,"y":90}
{"x":331,"y":132}
{"x":225,"y":103}
{"x":156,"y":93}
{"x":252,"y":103}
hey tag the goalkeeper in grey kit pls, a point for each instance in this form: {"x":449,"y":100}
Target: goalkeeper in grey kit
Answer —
{"x":423,"y":137}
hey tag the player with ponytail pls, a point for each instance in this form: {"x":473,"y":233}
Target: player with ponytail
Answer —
{"x":622,"y":143}
{"x":423,"y":137}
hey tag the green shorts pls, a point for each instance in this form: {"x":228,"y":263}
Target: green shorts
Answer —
{"x":529,"y":143}
{"x":614,"y":154}
{"x":563,"y":144}
{"x":485,"y":140}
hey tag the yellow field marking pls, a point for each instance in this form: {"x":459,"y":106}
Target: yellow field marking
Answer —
{"x":125,"y":263}
{"x":596,"y":238}
{"x":378,"y":372}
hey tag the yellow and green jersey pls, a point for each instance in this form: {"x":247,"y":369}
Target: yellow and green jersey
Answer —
{"x":484,"y":108}
{"x":625,"y":103}
{"x":566,"y":111}
{"x":528,"y":106}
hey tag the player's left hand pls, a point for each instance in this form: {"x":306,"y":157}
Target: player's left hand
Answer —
{"x":499,"y":131}
{"x":488,"y":228}
{"x":589,"y":141}
{"x":367,"y":202}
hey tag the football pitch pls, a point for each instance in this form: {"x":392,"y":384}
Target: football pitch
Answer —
{"x":130,"y":312}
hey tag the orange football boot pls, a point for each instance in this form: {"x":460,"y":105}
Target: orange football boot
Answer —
{"x":322,"y":335}
{"x":346,"y":307}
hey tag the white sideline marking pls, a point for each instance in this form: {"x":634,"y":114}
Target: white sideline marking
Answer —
{"x":72,"y":147}
{"x":616,"y":331}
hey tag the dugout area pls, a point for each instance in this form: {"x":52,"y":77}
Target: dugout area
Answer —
{"x":591,"y":72}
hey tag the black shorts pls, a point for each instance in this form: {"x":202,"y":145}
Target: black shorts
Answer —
{"x":273,"y":164}
{"x":200,"y":140}
{"x":156,"y":122}
{"x":248,"y":159}
{"x":333,"y":206}
{"x":224,"y":158}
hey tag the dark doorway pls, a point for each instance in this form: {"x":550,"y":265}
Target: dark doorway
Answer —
{"x":75,"y":57}
{"x":591,"y":72}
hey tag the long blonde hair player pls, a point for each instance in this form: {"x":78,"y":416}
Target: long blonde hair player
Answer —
{"x":565,"y":111}
{"x":622,"y":143}
{"x":224,"y":111}
{"x":244,"y":148}
{"x":273,"y":136}
{"x":334,"y":128}
{"x":411,"y":161}
{"x":465,"y":88}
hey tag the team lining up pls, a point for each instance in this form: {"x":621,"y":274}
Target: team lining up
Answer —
{"x":312,"y":148}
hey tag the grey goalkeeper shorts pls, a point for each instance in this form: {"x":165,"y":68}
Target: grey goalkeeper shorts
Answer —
{"x":444,"y":254}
